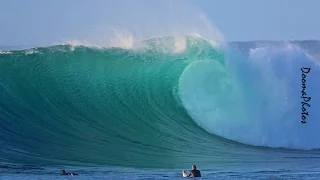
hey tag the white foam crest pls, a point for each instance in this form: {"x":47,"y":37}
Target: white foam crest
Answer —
{"x":74,"y":43}
{"x":180,"y":44}
{"x":122,"y":39}
{"x":116,"y":39}
{"x":5,"y":52}
{"x":30,"y":51}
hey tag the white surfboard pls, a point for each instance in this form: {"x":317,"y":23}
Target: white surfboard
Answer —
{"x":184,"y":173}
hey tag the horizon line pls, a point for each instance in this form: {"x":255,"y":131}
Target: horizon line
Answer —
{"x":236,"y":41}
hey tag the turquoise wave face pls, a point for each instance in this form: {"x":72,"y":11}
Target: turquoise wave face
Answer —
{"x":164,"y":104}
{"x":98,"y":106}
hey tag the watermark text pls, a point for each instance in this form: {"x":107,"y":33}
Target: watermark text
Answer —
{"x":305,"y":103}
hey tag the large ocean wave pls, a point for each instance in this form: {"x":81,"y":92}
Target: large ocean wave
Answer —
{"x":165,"y":102}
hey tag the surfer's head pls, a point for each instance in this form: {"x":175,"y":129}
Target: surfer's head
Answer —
{"x":63,"y":172}
{"x":194,"y":167}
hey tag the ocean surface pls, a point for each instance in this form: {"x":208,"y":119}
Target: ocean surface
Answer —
{"x":153,"y":109}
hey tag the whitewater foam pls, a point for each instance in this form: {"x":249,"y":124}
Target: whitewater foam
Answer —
{"x":5,"y":52}
{"x":254,"y":100}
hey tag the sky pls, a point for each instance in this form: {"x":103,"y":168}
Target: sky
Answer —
{"x":38,"y":22}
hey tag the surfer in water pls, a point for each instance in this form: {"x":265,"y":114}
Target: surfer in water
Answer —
{"x":194,"y":172}
{"x":63,"y":172}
